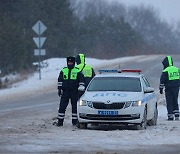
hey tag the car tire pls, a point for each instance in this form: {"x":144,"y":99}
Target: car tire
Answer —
{"x":153,"y":121}
{"x":82,"y":125}
{"x":143,"y":124}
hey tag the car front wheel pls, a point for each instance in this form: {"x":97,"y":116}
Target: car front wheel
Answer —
{"x":82,"y":125}
{"x":143,"y":124}
{"x":153,"y":121}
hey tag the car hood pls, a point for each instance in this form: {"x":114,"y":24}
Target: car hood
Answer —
{"x":112,"y":96}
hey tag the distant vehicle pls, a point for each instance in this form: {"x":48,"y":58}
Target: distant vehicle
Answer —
{"x":118,"y":97}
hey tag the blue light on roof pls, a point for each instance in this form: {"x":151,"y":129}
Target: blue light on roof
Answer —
{"x":108,"y":71}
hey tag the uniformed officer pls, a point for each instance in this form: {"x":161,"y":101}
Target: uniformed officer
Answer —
{"x":170,"y":79}
{"x":70,"y":81}
{"x":87,"y":70}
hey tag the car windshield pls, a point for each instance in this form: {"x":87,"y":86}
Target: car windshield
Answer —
{"x":129,"y":84}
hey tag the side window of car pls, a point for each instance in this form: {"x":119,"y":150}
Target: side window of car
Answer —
{"x":143,"y":83}
{"x":146,"y":82}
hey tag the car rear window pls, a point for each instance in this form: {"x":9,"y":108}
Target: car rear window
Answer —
{"x":129,"y":84}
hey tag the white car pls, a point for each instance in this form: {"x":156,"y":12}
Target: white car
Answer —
{"x":123,"y":97}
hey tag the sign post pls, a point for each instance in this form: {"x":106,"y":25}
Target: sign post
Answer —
{"x":39,"y":28}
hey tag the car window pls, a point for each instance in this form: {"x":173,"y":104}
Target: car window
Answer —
{"x":143,"y":84}
{"x":130,"y":84}
{"x":146,"y":82}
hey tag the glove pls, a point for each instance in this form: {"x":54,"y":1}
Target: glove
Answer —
{"x":60,"y":92}
{"x":81,"y":88}
{"x":161,"y":91}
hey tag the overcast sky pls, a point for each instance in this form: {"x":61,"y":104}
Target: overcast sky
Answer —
{"x":168,"y":9}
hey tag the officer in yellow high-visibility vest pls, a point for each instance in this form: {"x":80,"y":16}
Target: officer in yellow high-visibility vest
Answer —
{"x":170,"y":79}
{"x":86,"y":69}
{"x":70,"y":82}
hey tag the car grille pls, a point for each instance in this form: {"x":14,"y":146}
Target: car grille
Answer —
{"x":109,"y":117}
{"x":101,"y":105}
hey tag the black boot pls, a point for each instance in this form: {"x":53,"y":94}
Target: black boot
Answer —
{"x":177,"y":118}
{"x":74,"y":122}
{"x":170,"y":119}
{"x":60,"y":122}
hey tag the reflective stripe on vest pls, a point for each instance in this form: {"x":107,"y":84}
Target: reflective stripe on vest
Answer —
{"x":73,"y":75}
{"x":173,"y":73}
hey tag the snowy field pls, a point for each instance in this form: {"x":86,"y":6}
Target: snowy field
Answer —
{"x":50,"y":74}
{"x":24,"y":132}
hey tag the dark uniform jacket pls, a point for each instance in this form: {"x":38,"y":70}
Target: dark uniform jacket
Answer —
{"x":66,"y":83}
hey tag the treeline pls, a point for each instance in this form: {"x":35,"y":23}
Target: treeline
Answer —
{"x":97,"y":28}
{"x":152,"y":33}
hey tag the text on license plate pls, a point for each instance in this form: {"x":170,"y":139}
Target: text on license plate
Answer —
{"x":107,"y":112}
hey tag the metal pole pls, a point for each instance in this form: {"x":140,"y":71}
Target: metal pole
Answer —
{"x":39,"y":52}
{"x":39,"y":64}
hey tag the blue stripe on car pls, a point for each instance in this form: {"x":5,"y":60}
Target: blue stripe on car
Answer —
{"x":149,"y":97}
{"x":110,"y":94}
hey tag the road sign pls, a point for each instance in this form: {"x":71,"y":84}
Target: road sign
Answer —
{"x":39,"y":27}
{"x":39,"y":41}
{"x":39,"y":52}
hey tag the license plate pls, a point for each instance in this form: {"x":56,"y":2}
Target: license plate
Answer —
{"x":107,"y":112}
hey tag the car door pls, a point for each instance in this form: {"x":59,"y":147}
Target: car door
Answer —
{"x":149,"y":97}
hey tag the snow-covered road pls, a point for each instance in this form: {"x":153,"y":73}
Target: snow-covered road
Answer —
{"x":27,"y":122}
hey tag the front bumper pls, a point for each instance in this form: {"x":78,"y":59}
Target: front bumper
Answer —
{"x":131,"y":115}
{"x":109,"y":117}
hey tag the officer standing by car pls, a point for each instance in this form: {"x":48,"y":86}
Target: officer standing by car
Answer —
{"x":70,"y":81}
{"x":170,"y":79}
{"x":86,"y":69}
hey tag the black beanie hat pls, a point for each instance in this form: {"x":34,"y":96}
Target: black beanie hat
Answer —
{"x":70,"y":59}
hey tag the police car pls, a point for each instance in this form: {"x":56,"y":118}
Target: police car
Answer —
{"x":118,"y":97}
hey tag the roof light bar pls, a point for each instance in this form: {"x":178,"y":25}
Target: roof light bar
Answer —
{"x":121,"y":71}
{"x":131,"y":71}
{"x":108,"y":71}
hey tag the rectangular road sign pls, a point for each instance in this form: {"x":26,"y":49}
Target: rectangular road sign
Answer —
{"x":39,"y":52}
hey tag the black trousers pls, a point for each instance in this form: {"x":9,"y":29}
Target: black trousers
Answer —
{"x":66,"y":96}
{"x":172,"y":101}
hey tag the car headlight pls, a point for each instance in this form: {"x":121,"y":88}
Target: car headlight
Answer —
{"x":127,"y":104}
{"x":132,"y":103}
{"x":136,"y":103}
{"x":82,"y":103}
{"x":89,"y":103}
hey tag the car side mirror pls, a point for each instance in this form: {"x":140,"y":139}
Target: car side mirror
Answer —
{"x":148,"y":90}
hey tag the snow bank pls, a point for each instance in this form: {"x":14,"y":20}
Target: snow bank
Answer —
{"x":49,"y":75}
